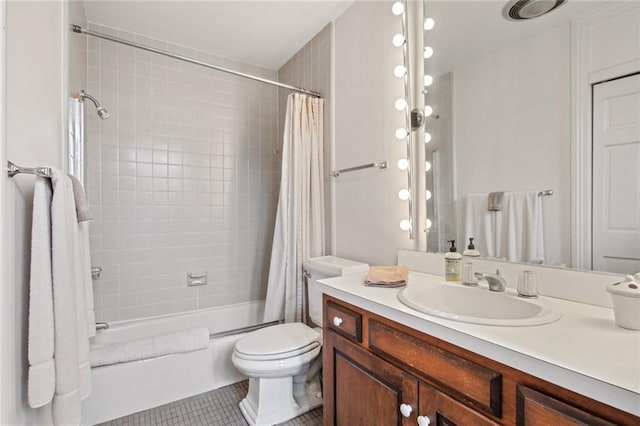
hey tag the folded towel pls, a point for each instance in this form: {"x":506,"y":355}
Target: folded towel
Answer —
{"x":150,"y":347}
{"x":41,"y":332}
{"x":495,"y":201}
{"x":72,"y":368}
{"x":387,"y":276}
{"x":82,"y":207}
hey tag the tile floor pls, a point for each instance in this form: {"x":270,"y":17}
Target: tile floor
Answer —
{"x":216,"y":408}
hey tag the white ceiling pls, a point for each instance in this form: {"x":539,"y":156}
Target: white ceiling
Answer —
{"x":259,"y":32}
{"x":467,"y":30}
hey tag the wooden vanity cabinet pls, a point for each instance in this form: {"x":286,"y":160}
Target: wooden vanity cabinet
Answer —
{"x":378,"y":372}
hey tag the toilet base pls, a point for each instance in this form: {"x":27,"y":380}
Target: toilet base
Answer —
{"x":276,"y":400}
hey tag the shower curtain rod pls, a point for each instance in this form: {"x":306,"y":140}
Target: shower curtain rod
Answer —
{"x":78,"y":29}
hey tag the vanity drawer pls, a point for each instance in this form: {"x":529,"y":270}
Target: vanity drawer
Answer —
{"x":537,"y":409}
{"x":469,"y":382}
{"x":343,"y":320}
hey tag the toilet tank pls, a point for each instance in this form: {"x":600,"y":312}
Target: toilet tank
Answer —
{"x":318,"y":268}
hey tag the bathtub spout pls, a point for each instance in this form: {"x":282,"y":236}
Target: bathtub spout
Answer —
{"x":102,"y":326}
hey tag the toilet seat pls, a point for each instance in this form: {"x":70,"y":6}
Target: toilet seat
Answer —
{"x":278,"y":342}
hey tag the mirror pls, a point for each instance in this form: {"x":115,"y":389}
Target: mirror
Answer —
{"x":502,"y":121}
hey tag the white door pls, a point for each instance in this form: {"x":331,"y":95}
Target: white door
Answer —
{"x":616,"y":175}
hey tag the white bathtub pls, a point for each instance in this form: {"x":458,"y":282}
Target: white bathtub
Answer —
{"x":122,"y":389}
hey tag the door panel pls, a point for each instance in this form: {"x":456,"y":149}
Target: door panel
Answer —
{"x":616,"y":175}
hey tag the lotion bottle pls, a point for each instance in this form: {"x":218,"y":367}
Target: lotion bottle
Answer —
{"x":471,"y":250}
{"x":453,"y":264}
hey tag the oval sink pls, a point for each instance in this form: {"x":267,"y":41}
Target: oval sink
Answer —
{"x":476,"y":305}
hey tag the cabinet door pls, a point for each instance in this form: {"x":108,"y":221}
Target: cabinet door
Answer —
{"x":436,"y":408}
{"x":537,"y":409}
{"x":360,"y":388}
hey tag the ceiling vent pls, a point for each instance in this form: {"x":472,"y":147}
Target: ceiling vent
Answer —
{"x":519,"y":10}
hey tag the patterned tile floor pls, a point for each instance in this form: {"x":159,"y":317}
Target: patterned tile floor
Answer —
{"x":216,"y":408}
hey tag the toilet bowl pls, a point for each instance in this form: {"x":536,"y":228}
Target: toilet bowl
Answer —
{"x":282,"y":361}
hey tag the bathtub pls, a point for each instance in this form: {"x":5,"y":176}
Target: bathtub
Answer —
{"x":126,"y":388}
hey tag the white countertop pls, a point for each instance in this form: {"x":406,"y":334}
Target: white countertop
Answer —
{"x":583,"y":351}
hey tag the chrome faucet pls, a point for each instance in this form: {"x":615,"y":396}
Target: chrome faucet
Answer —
{"x":495,"y":281}
{"x":102,"y":326}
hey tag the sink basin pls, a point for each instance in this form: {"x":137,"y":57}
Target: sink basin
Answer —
{"x":476,"y":305}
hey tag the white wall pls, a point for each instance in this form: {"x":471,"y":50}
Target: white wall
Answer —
{"x":367,"y":208}
{"x":504,"y":144}
{"x":35,"y":113}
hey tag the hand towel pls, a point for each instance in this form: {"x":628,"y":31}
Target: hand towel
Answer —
{"x":480,"y":223}
{"x":82,"y":207}
{"x":521,"y":228}
{"x":150,"y":347}
{"x":387,"y":276}
{"x":495,"y":201}
{"x":41,"y":376}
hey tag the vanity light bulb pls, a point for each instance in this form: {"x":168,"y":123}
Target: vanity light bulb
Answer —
{"x":403,"y":164}
{"x":401,"y":104}
{"x":427,"y":137}
{"x":400,"y":71}
{"x":398,"y":8}
{"x":429,"y":223}
{"x":429,"y":23}
{"x":401,"y":133}
{"x":403,"y":194}
{"x":428,"y":111}
{"x":427,"y":194}
{"x":405,"y":225}
{"x":398,"y":40}
{"x":428,"y":80}
{"x":427,"y":166}
{"x":428,"y":52}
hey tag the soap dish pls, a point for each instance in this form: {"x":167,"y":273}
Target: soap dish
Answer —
{"x":626,"y":303}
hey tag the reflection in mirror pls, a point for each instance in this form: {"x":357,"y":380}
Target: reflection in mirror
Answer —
{"x":502,"y":97}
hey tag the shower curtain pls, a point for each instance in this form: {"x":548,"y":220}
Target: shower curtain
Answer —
{"x":76,"y":139}
{"x":299,"y":228}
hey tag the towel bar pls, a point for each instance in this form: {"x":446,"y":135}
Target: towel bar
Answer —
{"x":13,"y":170}
{"x":545,"y":192}
{"x":337,"y":173}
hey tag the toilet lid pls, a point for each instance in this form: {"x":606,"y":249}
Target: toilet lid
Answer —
{"x":279,"y":341}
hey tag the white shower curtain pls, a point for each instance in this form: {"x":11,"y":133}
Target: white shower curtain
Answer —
{"x":299,"y":229}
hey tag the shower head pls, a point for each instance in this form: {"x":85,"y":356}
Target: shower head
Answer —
{"x":102,"y":113}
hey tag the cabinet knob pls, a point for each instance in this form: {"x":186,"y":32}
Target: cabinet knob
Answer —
{"x":423,"y":421}
{"x":337,"y":321}
{"x":405,"y":410}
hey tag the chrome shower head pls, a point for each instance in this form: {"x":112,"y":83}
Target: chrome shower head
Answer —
{"x":102,"y":113}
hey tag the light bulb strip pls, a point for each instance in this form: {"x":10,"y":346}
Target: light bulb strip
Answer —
{"x":407,"y":91}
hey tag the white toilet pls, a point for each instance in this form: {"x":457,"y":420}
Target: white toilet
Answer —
{"x":283,"y":361}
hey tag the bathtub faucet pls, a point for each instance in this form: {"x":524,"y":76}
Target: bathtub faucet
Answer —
{"x":102,"y":326}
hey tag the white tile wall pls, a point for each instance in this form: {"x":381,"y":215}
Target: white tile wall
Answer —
{"x":182,"y":178}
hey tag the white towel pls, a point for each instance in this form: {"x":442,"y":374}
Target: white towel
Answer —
{"x":480,"y":223}
{"x":72,"y":368}
{"x":520,"y":226}
{"x":41,"y":366}
{"x":150,"y":347}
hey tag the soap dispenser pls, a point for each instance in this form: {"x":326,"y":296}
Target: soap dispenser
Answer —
{"x":471,"y":250}
{"x":453,"y":264}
